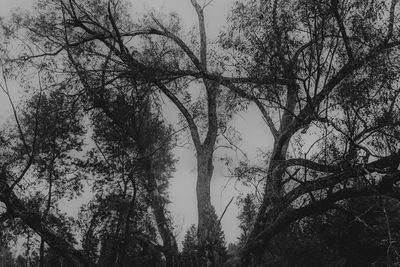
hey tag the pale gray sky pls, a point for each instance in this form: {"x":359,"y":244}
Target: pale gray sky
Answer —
{"x":183,"y":196}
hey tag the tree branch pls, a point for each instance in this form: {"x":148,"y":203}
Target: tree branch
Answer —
{"x":318,"y":207}
{"x":342,"y":29}
{"x":203,"y":38}
{"x":35,"y":221}
{"x":383,"y":165}
{"x":178,"y":41}
{"x":391,"y":21}
{"x":310,"y":165}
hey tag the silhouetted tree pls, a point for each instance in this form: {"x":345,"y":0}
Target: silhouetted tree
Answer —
{"x":323,"y":74}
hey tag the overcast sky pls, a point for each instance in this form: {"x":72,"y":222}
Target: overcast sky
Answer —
{"x":183,"y":196}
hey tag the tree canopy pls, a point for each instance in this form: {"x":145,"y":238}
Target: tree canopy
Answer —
{"x":324,"y":76}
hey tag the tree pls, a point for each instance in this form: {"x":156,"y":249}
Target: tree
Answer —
{"x":191,"y":245}
{"x":142,"y":132}
{"x":322,"y":74}
{"x":246,"y":217}
{"x":114,"y":56}
{"x":128,"y":156}
{"x":333,"y":68}
{"x":53,"y":162}
{"x":74,"y":18}
{"x":40,"y":144}
{"x":127,"y":181}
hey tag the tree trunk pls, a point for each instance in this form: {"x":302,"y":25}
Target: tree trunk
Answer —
{"x":169,"y":243}
{"x":204,"y":207}
{"x":41,"y":253}
{"x":170,"y":250}
{"x":126,"y":232}
{"x":34,"y":220}
{"x":254,"y":248}
{"x":46,"y":212}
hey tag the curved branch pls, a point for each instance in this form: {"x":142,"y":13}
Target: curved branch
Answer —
{"x":267,"y":118}
{"x":306,"y":113}
{"x":178,"y":41}
{"x":192,"y":125}
{"x":382,"y":165}
{"x":136,"y":66}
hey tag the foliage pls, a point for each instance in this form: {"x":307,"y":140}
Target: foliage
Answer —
{"x":323,"y":74}
{"x":6,"y":257}
{"x":247,"y":216}
{"x":364,"y":233}
{"x":191,"y":245}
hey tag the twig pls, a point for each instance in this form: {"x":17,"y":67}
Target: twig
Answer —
{"x":223,"y":213}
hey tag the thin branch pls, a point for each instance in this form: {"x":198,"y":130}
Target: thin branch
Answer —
{"x":233,"y":145}
{"x":178,"y":41}
{"x":207,"y":3}
{"x":310,"y":165}
{"x":319,"y":207}
{"x":226,"y":207}
{"x":267,"y":118}
{"x":342,"y":29}
{"x":391,"y":21}
{"x":192,"y":125}
{"x":7,"y":92}
{"x":114,"y":25}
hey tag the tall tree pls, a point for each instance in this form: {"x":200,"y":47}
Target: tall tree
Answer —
{"x":335,"y":69}
{"x":132,"y":163}
{"x":129,"y":111}
{"x":97,"y":35}
{"x":329,"y":68}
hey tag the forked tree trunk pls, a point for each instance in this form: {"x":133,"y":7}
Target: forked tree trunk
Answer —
{"x":204,"y":150}
{"x":273,"y":191}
